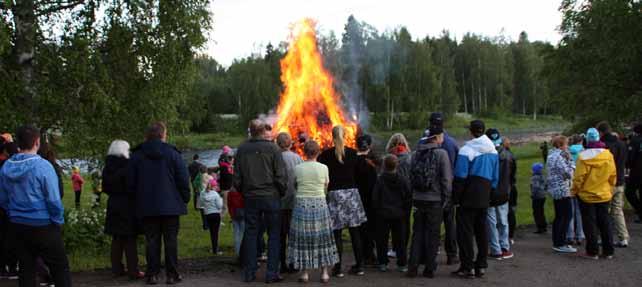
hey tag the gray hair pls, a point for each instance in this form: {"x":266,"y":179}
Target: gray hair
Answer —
{"x":119,"y":148}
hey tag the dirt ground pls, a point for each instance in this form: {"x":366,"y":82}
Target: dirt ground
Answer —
{"x":534,"y":264}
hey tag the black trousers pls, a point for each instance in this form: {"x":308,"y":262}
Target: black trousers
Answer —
{"x":471,"y":223}
{"x":512,"y":221}
{"x":163,"y":228}
{"x":538,"y":213}
{"x":384,"y":228}
{"x":214,"y":224}
{"x":8,"y":259}
{"x":633,"y":194}
{"x":368,"y":235}
{"x":450,"y":239}
{"x":596,"y":218}
{"x":124,"y":244}
{"x":355,"y":237}
{"x":77,"y":197}
{"x":286,"y":217}
{"x":562,"y":220}
{"x":45,"y":242}
{"x":425,"y":236}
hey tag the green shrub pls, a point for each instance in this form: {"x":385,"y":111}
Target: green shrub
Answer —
{"x":84,"y":229}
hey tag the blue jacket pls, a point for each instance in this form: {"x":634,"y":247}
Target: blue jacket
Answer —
{"x":29,"y":191}
{"x":159,"y":178}
{"x":476,"y":173}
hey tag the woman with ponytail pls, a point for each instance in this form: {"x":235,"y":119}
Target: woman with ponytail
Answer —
{"x":344,"y":202}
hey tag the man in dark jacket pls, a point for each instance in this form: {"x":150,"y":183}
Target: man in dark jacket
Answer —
{"x":450,"y":146}
{"x":619,"y":150}
{"x":634,"y":163}
{"x":260,"y":175}
{"x":497,"y":218}
{"x":476,"y":174}
{"x":158,"y":176}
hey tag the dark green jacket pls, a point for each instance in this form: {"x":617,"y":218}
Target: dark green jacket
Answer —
{"x":259,"y":170}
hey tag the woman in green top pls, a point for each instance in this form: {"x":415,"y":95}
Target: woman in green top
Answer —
{"x":311,"y":243}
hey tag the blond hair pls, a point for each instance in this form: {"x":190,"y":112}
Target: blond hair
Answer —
{"x":339,"y":142}
{"x":397,"y":140}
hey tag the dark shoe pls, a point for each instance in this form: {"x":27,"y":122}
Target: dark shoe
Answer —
{"x":452,"y":260}
{"x":249,"y":279}
{"x":467,"y":274}
{"x":496,"y":256}
{"x":337,"y":272}
{"x":412,"y":272}
{"x":152,"y":280}
{"x":480,"y":272}
{"x":429,"y":274}
{"x":540,"y":232}
{"x":276,"y":279}
{"x":171,"y":280}
{"x":358,"y":271}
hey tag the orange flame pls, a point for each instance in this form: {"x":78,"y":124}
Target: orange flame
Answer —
{"x":309,"y":104}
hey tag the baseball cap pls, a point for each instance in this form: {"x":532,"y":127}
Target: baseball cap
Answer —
{"x":436,"y":119}
{"x":494,"y":136}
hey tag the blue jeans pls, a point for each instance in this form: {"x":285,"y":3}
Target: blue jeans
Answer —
{"x":575,"y":230}
{"x":270,"y":210}
{"x":497,"y":225}
{"x":239,"y":228}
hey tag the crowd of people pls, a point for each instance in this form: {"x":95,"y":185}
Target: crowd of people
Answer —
{"x":304,"y":202}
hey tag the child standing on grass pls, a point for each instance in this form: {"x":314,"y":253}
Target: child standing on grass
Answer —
{"x":96,"y":187}
{"x":212,"y":205}
{"x":538,"y":197}
{"x":236,"y":210}
{"x":77,"y":182}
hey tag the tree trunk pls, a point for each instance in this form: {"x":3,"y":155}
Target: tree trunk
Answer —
{"x":463,"y":77}
{"x":24,"y":17}
{"x":535,"y":102}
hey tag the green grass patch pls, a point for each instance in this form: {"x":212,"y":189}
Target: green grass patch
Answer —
{"x":206,"y":141}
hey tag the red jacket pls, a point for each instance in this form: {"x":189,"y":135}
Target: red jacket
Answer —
{"x":234,"y":202}
{"x":77,"y":181}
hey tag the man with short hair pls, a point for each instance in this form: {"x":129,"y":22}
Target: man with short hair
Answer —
{"x":476,"y":174}
{"x":159,"y":178}
{"x":260,"y":176}
{"x":619,"y":150}
{"x":29,"y":193}
{"x":291,"y":160}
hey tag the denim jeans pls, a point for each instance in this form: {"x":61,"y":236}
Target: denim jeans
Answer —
{"x":269,"y":209}
{"x":575,"y":230}
{"x":239,"y":229}
{"x":497,"y":224}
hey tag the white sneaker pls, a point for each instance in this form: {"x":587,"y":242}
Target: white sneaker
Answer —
{"x":392,"y":254}
{"x":565,"y":249}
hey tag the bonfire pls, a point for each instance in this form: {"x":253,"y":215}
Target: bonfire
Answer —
{"x":309,"y":106}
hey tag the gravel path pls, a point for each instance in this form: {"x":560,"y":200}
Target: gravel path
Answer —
{"x":534,"y":264}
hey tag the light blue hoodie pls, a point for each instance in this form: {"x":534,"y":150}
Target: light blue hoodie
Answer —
{"x":29,"y":191}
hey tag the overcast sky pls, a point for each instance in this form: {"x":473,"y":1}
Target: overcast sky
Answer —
{"x":242,"y":27}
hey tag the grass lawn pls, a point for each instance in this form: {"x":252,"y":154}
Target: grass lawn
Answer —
{"x":194,"y":241}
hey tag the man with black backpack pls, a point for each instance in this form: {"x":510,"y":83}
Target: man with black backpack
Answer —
{"x":431,"y":181}
{"x":476,"y":174}
{"x":498,"y":232}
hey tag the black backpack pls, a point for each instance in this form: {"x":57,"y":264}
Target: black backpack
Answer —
{"x":423,"y":170}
